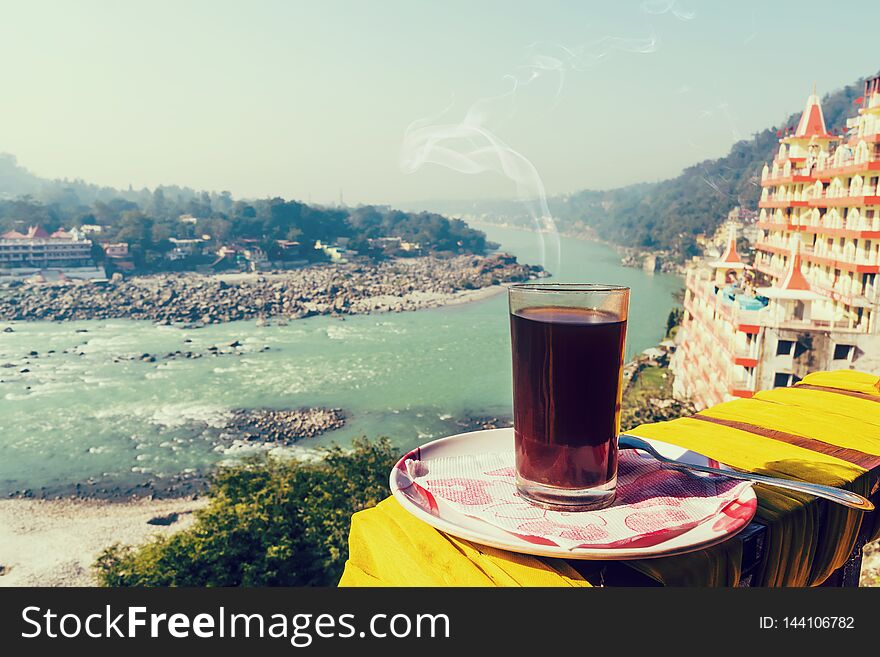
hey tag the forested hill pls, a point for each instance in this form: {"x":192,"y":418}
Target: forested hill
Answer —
{"x":670,"y":213}
{"x":16,"y":180}
{"x":148,"y":219}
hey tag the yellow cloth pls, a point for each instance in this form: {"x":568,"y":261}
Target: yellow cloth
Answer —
{"x":806,"y":539}
{"x":390,"y":547}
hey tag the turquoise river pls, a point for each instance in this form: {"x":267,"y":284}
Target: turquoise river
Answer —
{"x":86,"y":413}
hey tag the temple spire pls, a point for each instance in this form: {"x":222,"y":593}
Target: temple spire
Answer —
{"x":730,"y":254}
{"x":794,"y":278}
{"x":812,"y":123}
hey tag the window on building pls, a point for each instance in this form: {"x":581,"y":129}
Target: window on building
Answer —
{"x":784,"y":347}
{"x":842,"y":351}
{"x":803,"y":345}
{"x":782,"y":380}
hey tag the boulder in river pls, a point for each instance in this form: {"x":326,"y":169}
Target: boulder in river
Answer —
{"x":284,"y":427}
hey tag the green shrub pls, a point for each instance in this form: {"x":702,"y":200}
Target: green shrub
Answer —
{"x":269,"y":523}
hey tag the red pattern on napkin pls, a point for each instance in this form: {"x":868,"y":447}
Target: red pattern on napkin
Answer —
{"x":652,"y":505}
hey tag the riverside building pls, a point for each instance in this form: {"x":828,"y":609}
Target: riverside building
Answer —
{"x":809,"y":301}
{"x":38,"y":249}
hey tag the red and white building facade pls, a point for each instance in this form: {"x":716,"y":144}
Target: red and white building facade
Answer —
{"x":40,"y":250}
{"x":810,"y":300}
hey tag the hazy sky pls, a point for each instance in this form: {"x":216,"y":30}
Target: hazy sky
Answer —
{"x":302,"y":99}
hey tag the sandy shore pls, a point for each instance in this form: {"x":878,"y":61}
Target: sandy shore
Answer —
{"x":55,"y":542}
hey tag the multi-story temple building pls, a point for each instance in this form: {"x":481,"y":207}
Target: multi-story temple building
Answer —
{"x":810,"y":299}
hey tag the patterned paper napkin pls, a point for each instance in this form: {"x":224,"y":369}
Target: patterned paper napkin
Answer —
{"x":652,"y":505}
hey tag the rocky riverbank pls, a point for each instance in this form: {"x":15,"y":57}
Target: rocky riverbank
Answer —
{"x":244,"y":428}
{"x":647,"y":391}
{"x":284,"y":427}
{"x":337,"y":289}
{"x":650,"y":261}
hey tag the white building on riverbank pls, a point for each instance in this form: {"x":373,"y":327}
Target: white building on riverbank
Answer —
{"x":38,"y":249}
{"x":51,"y":256}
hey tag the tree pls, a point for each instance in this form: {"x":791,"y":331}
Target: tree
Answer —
{"x":157,"y":206}
{"x":674,"y":319}
{"x":224,"y":202}
{"x":270,"y":523}
{"x":160,"y":235}
{"x":97,"y":252}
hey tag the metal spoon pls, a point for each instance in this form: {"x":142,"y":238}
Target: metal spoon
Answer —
{"x":845,"y":497}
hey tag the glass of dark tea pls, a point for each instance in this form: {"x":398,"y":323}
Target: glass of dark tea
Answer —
{"x":568,"y":349}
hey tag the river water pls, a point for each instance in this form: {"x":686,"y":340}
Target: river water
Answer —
{"x":88,"y":413}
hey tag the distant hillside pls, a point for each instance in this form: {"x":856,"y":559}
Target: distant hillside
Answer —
{"x":668,"y":214}
{"x":15,"y":180}
{"x":149,"y":220}
{"x":69,"y":195}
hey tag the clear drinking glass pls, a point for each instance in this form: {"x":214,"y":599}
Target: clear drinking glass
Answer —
{"x":568,"y":349}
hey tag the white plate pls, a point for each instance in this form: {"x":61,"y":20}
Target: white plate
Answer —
{"x":710,"y":532}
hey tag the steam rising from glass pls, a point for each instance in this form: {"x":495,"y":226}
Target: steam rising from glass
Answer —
{"x":470,"y":146}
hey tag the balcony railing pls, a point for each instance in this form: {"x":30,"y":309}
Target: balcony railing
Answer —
{"x":741,"y":384}
{"x":852,"y":293}
{"x":863,"y":225}
{"x":745,"y":352}
{"x":775,"y":244}
{"x":845,"y":165}
{"x":835,"y":325}
{"x":843,"y":255}
{"x":845,"y":199}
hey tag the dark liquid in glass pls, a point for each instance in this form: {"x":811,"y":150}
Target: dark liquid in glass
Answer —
{"x":567,"y":366}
